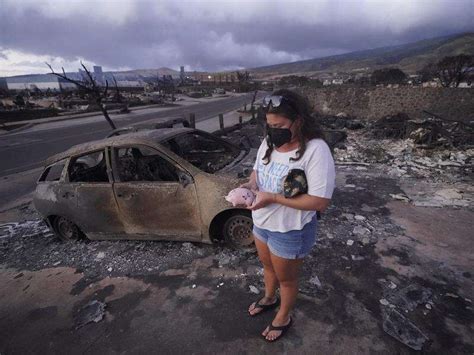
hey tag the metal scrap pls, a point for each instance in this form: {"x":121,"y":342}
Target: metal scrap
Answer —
{"x":409,"y":297}
{"x":94,"y":311}
{"x":402,"y":329}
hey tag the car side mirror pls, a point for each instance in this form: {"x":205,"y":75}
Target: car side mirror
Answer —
{"x":185,"y":179}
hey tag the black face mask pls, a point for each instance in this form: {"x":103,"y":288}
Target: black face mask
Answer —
{"x":279,"y":136}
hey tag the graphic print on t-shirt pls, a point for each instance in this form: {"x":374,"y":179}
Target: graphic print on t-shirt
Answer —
{"x":270,"y":177}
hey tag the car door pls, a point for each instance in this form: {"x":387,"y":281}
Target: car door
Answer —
{"x":53,"y":195}
{"x":96,"y":209}
{"x":155,"y":196}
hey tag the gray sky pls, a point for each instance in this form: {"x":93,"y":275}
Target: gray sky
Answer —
{"x":211,"y":35}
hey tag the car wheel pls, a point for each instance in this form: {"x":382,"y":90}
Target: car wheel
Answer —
{"x":65,"y":229}
{"x":237,"y":230}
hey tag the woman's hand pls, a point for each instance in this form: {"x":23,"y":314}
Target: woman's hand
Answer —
{"x":262,"y":199}
{"x":252,"y":183}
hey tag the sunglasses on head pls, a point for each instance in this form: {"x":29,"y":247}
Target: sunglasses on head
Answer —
{"x":274,"y":100}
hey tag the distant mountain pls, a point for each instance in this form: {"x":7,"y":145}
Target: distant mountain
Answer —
{"x":408,"y":57}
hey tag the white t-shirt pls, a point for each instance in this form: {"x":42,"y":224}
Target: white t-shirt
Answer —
{"x":318,"y":165}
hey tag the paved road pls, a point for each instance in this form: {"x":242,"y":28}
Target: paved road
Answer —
{"x":26,"y":150}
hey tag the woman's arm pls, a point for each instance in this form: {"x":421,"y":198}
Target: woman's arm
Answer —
{"x":301,"y":202}
{"x":252,"y":183}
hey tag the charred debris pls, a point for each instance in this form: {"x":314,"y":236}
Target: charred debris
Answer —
{"x":412,"y":146}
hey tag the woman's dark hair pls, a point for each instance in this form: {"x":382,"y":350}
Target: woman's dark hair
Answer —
{"x":294,"y":106}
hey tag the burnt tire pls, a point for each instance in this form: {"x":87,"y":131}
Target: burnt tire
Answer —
{"x":237,"y":230}
{"x":65,"y":229}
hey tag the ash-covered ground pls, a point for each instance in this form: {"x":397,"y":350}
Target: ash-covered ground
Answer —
{"x":391,"y":271}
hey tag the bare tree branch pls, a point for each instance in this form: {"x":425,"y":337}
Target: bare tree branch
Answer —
{"x":52,"y":71}
{"x":76,"y":82}
{"x":452,"y":70}
{"x":91,"y":89}
{"x":106,"y":88}
{"x":89,"y":75}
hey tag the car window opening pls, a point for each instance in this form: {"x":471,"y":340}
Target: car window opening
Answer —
{"x":144,"y":164}
{"x":53,"y":172}
{"x":89,"y":168}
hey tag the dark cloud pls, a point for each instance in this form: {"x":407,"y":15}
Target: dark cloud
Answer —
{"x":219,"y":35}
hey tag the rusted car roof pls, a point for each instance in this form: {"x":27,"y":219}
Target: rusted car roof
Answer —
{"x":146,"y":136}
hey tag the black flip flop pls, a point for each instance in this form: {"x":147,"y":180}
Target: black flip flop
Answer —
{"x":283,"y":329}
{"x":264,"y":307}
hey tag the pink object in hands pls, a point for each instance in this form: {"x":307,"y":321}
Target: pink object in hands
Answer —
{"x":240,"y":197}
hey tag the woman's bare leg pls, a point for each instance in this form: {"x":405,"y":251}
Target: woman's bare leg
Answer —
{"x":287,"y":271}
{"x":269,"y":277}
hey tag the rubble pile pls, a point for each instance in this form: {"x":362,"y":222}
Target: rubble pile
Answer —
{"x":405,"y":158}
{"x":335,"y":128}
{"x":410,"y":149}
{"x":426,"y":133}
{"x":340,"y":121}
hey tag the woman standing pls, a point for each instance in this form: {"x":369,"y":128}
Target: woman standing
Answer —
{"x":285,"y":228}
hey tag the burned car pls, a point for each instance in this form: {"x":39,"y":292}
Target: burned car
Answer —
{"x":161,"y":184}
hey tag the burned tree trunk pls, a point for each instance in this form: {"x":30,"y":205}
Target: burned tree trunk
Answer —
{"x":452,"y":70}
{"x":91,"y":89}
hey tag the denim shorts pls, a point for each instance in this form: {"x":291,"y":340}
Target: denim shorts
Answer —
{"x":294,"y":244}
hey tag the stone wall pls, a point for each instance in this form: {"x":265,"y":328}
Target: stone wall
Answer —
{"x":373,"y":103}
